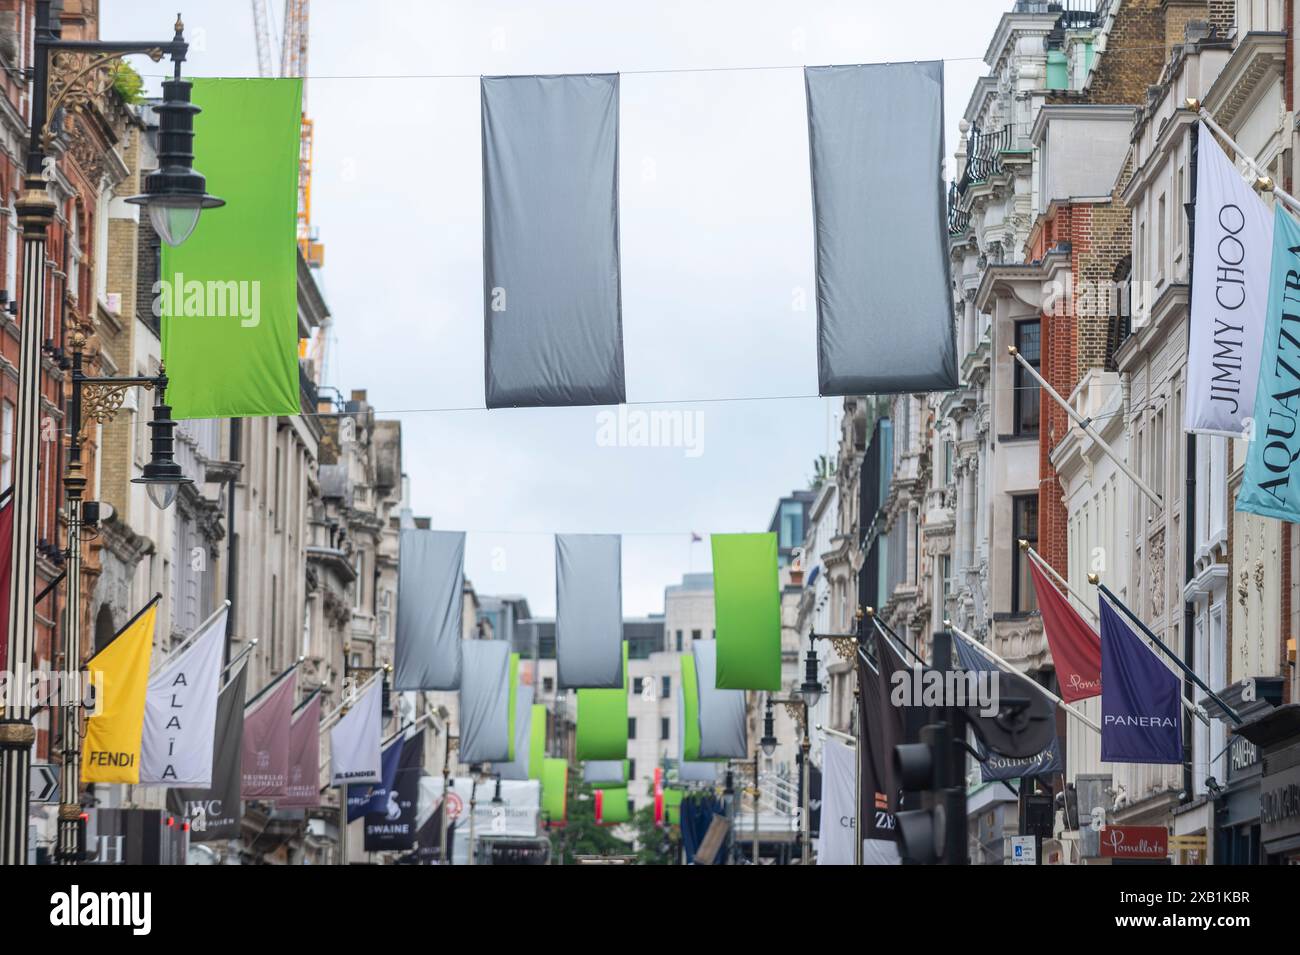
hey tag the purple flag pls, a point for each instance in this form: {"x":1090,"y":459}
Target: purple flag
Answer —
{"x":367,"y":798}
{"x":304,"y":758}
{"x":1140,"y":706}
{"x":265,"y":762}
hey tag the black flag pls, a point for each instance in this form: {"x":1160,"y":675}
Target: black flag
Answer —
{"x":214,"y":814}
{"x":881,"y":729}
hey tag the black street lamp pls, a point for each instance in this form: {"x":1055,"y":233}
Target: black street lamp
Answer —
{"x":768,"y":742}
{"x":66,"y":76}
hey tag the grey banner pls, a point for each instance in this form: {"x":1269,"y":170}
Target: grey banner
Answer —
{"x":722,"y":712}
{"x":430,"y":610}
{"x":552,"y":309}
{"x":519,"y":767}
{"x":485,"y":702}
{"x":588,"y":611}
{"x":215,"y":813}
{"x":605,"y":771}
{"x":884,"y":300}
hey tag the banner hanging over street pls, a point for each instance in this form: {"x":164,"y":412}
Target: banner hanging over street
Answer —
{"x":485,"y":702}
{"x":722,"y":712}
{"x":747,"y":602}
{"x":228,"y":295}
{"x":552,"y":297}
{"x":588,"y":610}
{"x":430,"y":610}
{"x":602,"y":721}
{"x":875,"y":139}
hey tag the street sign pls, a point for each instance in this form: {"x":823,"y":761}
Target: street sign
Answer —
{"x":43,"y":783}
{"x":1023,"y":851}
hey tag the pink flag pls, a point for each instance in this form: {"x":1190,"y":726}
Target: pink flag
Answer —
{"x":265,"y":763}
{"x":304,"y":758}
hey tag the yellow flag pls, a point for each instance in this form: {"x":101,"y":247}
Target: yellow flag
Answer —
{"x":110,"y":752}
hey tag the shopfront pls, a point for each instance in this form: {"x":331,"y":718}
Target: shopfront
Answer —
{"x":1277,"y":735}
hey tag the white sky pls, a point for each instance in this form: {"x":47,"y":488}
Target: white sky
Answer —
{"x":716,"y":249}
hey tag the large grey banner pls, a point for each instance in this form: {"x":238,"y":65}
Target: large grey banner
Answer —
{"x":589,"y":611}
{"x":214,"y":813}
{"x":722,"y":712}
{"x":519,"y":767}
{"x":430,"y":610}
{"x":485,"y":702}
{"x":884,"y":301}
{"x":552,"y":309}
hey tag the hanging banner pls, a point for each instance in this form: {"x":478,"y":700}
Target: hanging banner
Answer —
{"x":430,"y":610}
{"x":883,"y":729}
{"x":1266,"y":486}
{"x":839,"y":811}
{"x":555,"y":782}
{"x":394,"y":826}
{"x":672,"y":807}
{"x":266,"y":741}
{"x":588,"y":611}
{"x":303,"y":789}
{"x":1230,"y":287}
{"x":722,"y":712}
{"x":1141,"y":714}
{"x":875,"y":141}
{"x":520,"y":766}
{"x":537,"y":741}
{"x":690,"y":768}
{"x":214,"y":813}
{"x":995,"y":766}
{"x":552,"y":309}
{"x":613,"y":806}
{"x":610,"y":772}
{"x":890,"y":720}
{"x":228,"y":296}
{"x":365,"y":800}
{"x":355,"y":740}
{"x":602,"y":721}
{"x":110,"y":752}
{"x":1075,"y":646}
{"x":180,"y":712}
{"x":747,"y":608}
{"x":485,"y":702}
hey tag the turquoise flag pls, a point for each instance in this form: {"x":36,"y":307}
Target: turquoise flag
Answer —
{"x":1266,"y":486}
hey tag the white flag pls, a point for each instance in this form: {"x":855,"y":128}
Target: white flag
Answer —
{"x":839,"y":808}
{"x":354,"y":741}
{"x":1230,"y":271}
{"x":180,"y":712}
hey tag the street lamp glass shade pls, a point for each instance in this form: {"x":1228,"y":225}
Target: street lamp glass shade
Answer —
{"x":768,"y":743}
{"x":174,"y":217}
{"x":163,"y":494}
{"x":811,"y":693}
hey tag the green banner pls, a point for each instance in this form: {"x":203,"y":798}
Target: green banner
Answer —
{"x":602,"y":721}
{"x":615,"y":807}
{"x":691,"y":705}
{"x":555,"y":783}
{"x":537,"y":741}
{"x":228,"y":295}
{"x":673,"y":807}
{"x":747,"y":607}
{"x":513,"y":703}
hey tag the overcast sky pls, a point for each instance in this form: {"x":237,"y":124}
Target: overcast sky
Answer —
{"x":717,"y":249}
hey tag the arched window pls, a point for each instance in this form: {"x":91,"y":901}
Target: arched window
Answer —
{"x":11,"y":248}
{"x":74,"y":252}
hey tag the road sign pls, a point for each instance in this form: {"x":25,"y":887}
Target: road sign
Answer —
{"x":43,"y":783}
{"x":1023,"y":851}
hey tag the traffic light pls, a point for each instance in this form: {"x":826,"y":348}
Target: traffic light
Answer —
{"x":922,"y":768}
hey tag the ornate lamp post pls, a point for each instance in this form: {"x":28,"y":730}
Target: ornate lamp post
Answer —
{"x":66,"y":76}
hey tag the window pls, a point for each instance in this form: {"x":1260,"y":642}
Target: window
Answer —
{"x":6,"y":445}
{"x":791,"y":530}
{"x":663,"y":728}
{"x":637,"y":685}
{"x":631,"y":770}
{"x":11,"y":250}
{"x":1179,"y":213}
{"x":1160,"y":239}
{"x":695,"y":635}
{"x":666,"y":688}
{"x":548,"y":684}
{"x":631,"y":727}
{"x":1024,"y":526}
{"x":1028,"y":394}
{"x":679,"y":641}
{"x":358,"y":584}
{"x":74,"y":253}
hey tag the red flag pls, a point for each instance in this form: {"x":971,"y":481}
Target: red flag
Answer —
{"x":6,"y":561}
{"x":600,"y":806}
{"x":1075,"y":646}
{"x":659,"y":796}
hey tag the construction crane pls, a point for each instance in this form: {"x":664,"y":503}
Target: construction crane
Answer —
{"x":293,"y":62}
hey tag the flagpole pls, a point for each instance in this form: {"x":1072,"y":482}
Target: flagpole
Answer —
{"x":1044,"y":565}
{"x":280,"y":676}
{"x":1263,"y":181}
{"x":239,"y":656}
{"x":1085,"y":424}
{"x":1190,"y":673}
{"x":1036,"y":685}
{"x":339,"y":711}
